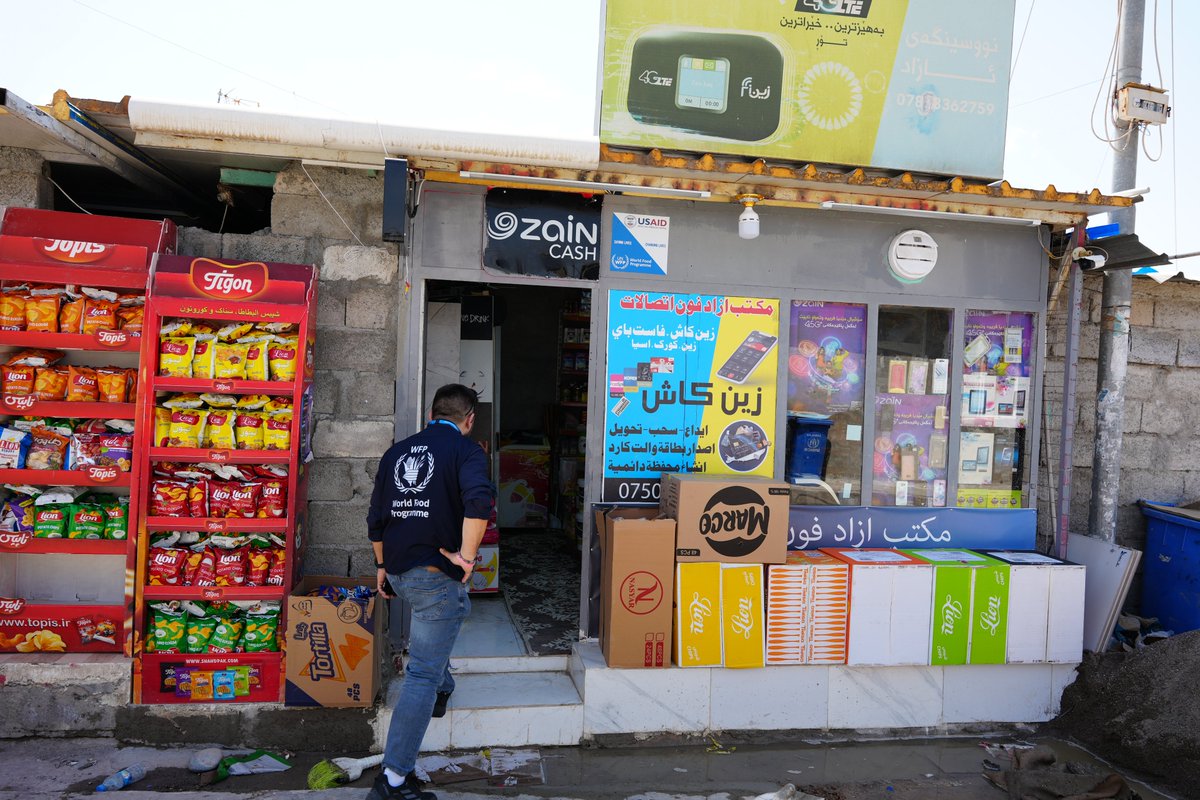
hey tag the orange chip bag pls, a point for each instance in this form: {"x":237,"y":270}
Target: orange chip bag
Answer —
{"x":112,"y":384}
{"x":130,"y":318}
{"x":175,"y":356}
{"x":50,"y":383}
{"x":204,"y":359}
{"x":256,"y":361}
{"x":41,"y":313}
{"x":277,"y":432}
{"x":18,"y":380}
{"x":162,"y":426}
{"x":99,"y":315}
{"x":281,"y":358}
{"x":218,"y":431}
{"x":81,"y":385}
{"x":248,"y":427}
{"x":230,"y":360}
{"x":12,"y":311}
{"x":131,"y":382}
{"x":187,"y":427}
{"x":70,"y":316}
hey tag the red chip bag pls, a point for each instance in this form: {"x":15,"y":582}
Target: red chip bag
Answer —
{"x":81,"y":385}
{"x":168,"y":499}
{"x":273,"y":499}
{"x":166,"y":566}
{"x":219,"y":495}
{"x":243,"y":502}
{"x":18,"y":380}
{"x":278,"y":569}
{"x":202,"y":568}
{"x":230,"y":566}
{"x":99,"y":315}
{"x":258,"y":566}
{"x":198,"y":499}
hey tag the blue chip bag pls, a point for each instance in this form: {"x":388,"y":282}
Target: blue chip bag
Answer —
{"x":14,"y":447}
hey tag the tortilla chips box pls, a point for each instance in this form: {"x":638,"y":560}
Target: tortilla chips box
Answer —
{"x":732,"y":520}
{"x":698,"y":620}
{"x":635,"y":586}
{"x":333,"y":649}
{"x":742,"y":621}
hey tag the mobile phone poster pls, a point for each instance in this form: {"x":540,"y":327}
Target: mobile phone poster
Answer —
{"x":825,"y":362}
{"x":691,"y":388}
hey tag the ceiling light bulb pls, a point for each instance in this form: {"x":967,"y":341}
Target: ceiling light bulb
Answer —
{"x":748,"y":223}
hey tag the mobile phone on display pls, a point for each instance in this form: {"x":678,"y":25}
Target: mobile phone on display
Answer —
{"x":748,"y":355}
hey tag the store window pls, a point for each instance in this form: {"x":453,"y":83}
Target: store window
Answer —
{"x":826,"y":364}
{"x":909,"y":459}
{"x":996,"y":402}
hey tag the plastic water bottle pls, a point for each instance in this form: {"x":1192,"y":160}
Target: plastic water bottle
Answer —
{"x":119,"y":780}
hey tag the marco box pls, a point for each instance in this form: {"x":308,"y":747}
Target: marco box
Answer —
{"x":729,"y":520}
{"x":333,"y":649}
{"x":635,"y":587}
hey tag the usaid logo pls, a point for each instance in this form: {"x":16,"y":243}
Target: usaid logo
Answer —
{"x":735,"y":522}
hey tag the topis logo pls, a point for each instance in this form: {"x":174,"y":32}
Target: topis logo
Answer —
{"x":10,"y":607}
{"x":735,"y":521}
{"x":228,"y":281}
{"x":15,"y":541}
{"x":71,"y":252}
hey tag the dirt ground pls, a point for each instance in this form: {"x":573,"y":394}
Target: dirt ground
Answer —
{"x":1141,"y":710}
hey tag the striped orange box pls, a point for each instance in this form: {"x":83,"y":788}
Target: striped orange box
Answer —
{"x":808,"y":609}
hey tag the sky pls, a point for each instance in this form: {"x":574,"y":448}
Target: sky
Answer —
{"x":530,"y":67}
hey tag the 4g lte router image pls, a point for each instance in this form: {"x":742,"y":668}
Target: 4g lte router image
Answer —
{"x":715,"y":84}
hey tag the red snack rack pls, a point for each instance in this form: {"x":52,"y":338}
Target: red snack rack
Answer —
{"x":60,"y":594}
{"x":216,"y":294}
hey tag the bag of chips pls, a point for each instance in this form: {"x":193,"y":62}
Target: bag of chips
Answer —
{"x":234,"y":331}
{"x":41,"y":313}
{"x":131,"y":319}
{"x":281,"y":358}
{"x":168,"y":499}
{"x":200,"y":631}
{"x":12,"y":310}
{"x":131,"y":383}
{"x":18,"y":380}
{"x":273,"y":500}
{"x":50,"y":383}
{"x":168,"y":627}
{"x":257,"y":368}
{"x":252,"y":402}
{"x":70,"y":316}
{"x":14,"y":448}
{"x":50,"y":522}
{"x":112,"y":385}
{"x":48,"y":450}
{"x":218,"y":431}
{"x":176,"y":327}
{"x":85,"y":521}
{"x":230,"y":566}
{"x":214,"y":400}
{"x":17,"y":515}
{"x":278,"y":405}
{"x":204,"y":361}
{"x":35,"y":358}
{"x":99,"y":315}
{"x":248,"y":429}
{"x":277,"y":432}
{"x":102,"y":450}
{"x":175,"y":356}
{"x":278,"y":567}
{"x":187,"y":428}
{"x":230,"y":360}
{"x":226,"y":637}
{"x":258,"y":565}
{"x":198,"y":498}
{"x":201,"y":567}
{"x":81,"y":385}
{"x":186,"y":400}
{"x":162,"y":426}
{"x":261,"y":633}
{"x":116,"y":519}
{"x":243,"y":500}
{"x":165,"y":566}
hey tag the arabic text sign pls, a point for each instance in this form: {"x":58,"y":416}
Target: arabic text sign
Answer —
{"x":812,"y":527}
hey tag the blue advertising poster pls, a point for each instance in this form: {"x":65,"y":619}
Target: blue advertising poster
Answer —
{"x":813,"y":527}
{"x":639,"y":243}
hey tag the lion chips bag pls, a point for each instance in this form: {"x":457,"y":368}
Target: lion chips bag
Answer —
{"x":175,"y":356}
{"x":131,"y":319}
{"x":112,"y":385}
{"x":234,"y":331}
{"x":116,"y":519}
{"x":226,"y":637}
{"x":219,"y":430}
{"x":70,"y":316}
{"x":200,"y":630}
{"x":257,"y":365}
{"x":168,"y":625}
{"x":35,"y":358}
{"x":131,"y":382}
{"x":166,"y":566}
{"x":201,"y":568}
{"x":99,"y":315}
{"x":248,"y":430}
{"x":243,"y":500}
{"x":281,"y":358}
{"x":220,"y":493}
{"x":277,"y":432}
{"x":258,"y":566}
{"x":278,"y":571}
{"x":273,"y":500}
{"x":18,"y":380}
{"x":41,"y":313}
{"x":260,"y":634}
{"x":162,"y":426}
{"x":86,"y":521}
{"x":230,"y":360}
{"x":50,"y":522}
{"x":230,"y":566}
{"x":168,"y":499}
{"x":187,"y":428}
{"x":198,"y":498}
{"x":81,"y":385}
{"x":204,"y":361}
{"x":12,"y":311}
{"x":50,"y":383}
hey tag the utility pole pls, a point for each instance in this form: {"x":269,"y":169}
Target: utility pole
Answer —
{"x":1116,"y":299}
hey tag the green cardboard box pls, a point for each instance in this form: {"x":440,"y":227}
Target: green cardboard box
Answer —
{"x":970,"y":607}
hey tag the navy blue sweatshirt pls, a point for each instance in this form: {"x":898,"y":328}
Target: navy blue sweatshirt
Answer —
{"x":426,"y":485}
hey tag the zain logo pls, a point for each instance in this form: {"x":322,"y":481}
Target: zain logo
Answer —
{"x":748,"y":90}
{"x":503,"y":225}
{"x":409,"y":471}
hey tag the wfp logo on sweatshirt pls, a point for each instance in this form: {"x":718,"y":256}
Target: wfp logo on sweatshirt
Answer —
{"x":414,"y":471}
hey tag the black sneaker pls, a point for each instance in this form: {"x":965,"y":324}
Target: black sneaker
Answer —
{"x":409,"y":790}
{"x":439,"y":705}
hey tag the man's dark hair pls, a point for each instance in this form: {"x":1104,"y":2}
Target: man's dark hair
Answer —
{"x":454,"y":402}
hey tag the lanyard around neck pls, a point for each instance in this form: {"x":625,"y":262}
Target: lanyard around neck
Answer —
{"x":433,"y":422}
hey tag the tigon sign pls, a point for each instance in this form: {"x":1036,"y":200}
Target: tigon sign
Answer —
{"x":228,"y":281}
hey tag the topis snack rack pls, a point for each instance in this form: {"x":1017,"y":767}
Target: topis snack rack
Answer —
{"x":74,"y":288}
{"x":221,"y":497}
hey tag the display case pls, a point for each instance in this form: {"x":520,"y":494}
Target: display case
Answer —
{"x":71,"y":318}
{"x":222,"y":488}
{"x":569,"y":424}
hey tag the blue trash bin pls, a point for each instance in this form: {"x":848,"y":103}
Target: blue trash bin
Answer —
{"x":808,"y":436}
{"x":1171,"y":570}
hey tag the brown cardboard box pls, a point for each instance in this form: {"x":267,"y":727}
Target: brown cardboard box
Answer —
{"x":728,"y":519}
{"x":333,"y":649}
{"x":636,"y":585}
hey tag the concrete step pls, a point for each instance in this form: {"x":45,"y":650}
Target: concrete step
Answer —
{"x":510,"y":709}
{"x":490,"y":665}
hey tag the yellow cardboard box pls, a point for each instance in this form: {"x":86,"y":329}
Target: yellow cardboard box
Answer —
{"x":698,"y":615}
{"x":742,"y":622}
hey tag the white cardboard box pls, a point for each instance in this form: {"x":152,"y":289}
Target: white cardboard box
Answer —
{"x":1045,"y":615}
{"x":891,"y":607}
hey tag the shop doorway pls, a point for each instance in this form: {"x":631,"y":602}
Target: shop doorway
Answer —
{"x":525,"y":349}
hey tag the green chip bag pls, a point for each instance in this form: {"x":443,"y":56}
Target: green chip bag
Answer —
{"x":199,"y":633}
{"x":85,"y":521}
{"x":226,"y":635}
{"x":167,"y":628}
{"x":50,"y":522}
{"x":116,"y":520}
{"x":260,"y":633}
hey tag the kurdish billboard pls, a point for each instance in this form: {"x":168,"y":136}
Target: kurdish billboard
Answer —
{"x":918,"y":85}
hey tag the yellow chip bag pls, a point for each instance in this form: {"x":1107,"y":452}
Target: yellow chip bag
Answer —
{"x":218,"y":431}
{"x":175,"y":356}
{"x":162,"y":426}
{"x":256,"y":361}
{"x":187,"y":427}
{"x":204,"y":359}
{"x":277,"y":432}
{"x":281,"y":358}
{"x":230,"y":360}
{"x":248,"y":428}
{"x":234,"y":331}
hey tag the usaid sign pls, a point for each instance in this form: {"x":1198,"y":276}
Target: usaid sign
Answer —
{"x":542,"y":233}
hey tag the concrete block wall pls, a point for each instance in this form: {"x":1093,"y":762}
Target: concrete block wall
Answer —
{"x":1160,"y":452}
{"x":23,"y":179}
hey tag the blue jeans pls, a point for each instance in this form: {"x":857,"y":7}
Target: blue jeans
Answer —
{"x":439,"y":605}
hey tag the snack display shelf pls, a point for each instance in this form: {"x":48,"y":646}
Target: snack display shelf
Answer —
{"x":28,"y":543}
{"x":148,"y":674}
{"x":61,"y":408}
{"x":218,"y":524}
{"x":107,"y":277}
{"x":205,"y":454}
{"x":228,"y":310}
{"x":231,"y":386}
{"x":152,"y":593}
{"x":104,"y":341}
{"x":92,"y":476}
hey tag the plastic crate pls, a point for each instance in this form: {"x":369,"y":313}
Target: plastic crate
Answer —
{"x":1171,"y":570}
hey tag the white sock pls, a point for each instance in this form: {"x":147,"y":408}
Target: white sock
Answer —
{"x":393,"y":778}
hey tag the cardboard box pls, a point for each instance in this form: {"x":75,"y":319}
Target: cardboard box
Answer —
{"x":635,"y":579}
{"x":970,"y":607}
{"x":732,"y":520}
{"x":891,"y":594}
{"x":333,"y":649}
{"x":808,"y":609}
{"x":742,"y":619}
{"x":1046,"y":608}
{"x":698,"y":628}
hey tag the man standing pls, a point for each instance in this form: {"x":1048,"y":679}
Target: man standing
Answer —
{"x":429,"y":510}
